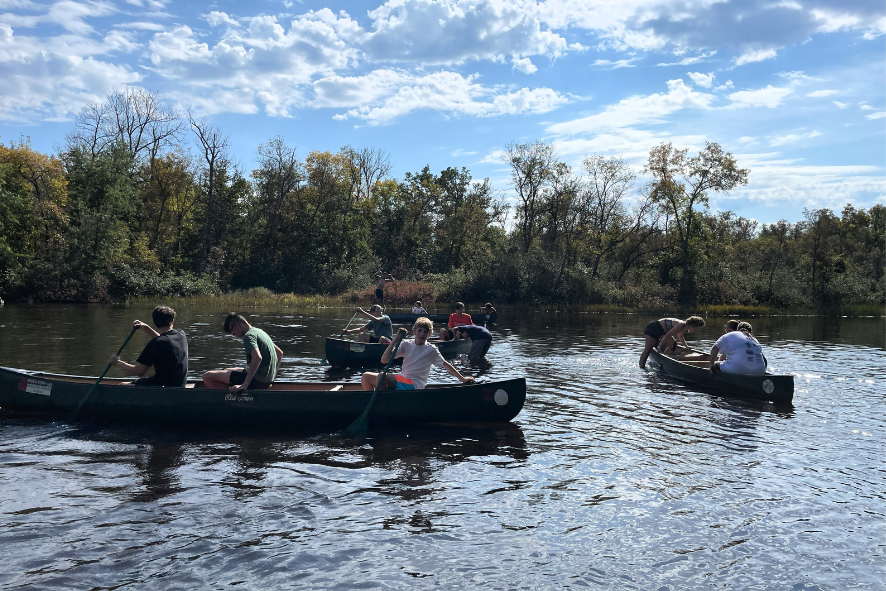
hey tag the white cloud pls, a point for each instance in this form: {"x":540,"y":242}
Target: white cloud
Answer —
{"x":755,"y":55}
{"x":725,"y":86}
{"x":616,"y":64}
{"x":140,"y":26}
{"x":770,"y":97}
{"x":638,"y":109}
{"x":840,"y":105}
{"x":792,"y":138}
{"x":820,"y":93}
{"x":702,"y":80}
{"x":524,"y":65}
{"x":879,"y":115}
{"x":866,"y":107}
{"x":460,"y":152}
{"x":216,"y":18}
{"x":781,"y":182}
{"x":54,"y":80}
{"x":688,"y":61}
{"x":449,"y":93}
{"x":433,"y":32}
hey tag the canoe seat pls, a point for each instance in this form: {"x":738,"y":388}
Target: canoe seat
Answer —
{"x":336,"y":388}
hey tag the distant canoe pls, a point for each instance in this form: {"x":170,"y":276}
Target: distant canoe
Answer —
{"x":296,"y":406}
{"x":345,"y":353}
{"x":694,"y":368}
{"x":478,"y":318}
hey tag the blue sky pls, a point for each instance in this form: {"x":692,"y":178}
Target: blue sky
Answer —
{"x":795,"y":89}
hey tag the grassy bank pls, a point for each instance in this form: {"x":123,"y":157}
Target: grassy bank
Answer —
{"x":265,"y":298}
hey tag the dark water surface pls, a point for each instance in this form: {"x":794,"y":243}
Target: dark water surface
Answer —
{"x":610,"y":478}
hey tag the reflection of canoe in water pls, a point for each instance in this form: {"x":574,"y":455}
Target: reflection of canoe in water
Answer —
{"x":303,"y":406}
{"x":693,"y":367}
{"x":478,"y":318}
{"x":344,"y":353}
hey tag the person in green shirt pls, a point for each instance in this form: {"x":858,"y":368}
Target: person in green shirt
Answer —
{"x":262,"y":355}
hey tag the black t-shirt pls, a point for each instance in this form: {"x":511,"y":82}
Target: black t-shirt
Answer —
{"x":168,"y":355}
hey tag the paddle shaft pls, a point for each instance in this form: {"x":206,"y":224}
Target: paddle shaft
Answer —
{"x":322,"y":361}
{"x":101,"y":377}
{"x":361,"y":423}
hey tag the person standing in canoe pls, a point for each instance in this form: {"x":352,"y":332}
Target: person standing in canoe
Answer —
{"x":379,"y":323}
{"x":262,"y":355}
{"x":742,"y":351}
{"x":380,"y":280}
{"x":481,"y":340}
{"x":166,"y":352}
{"x":418,"y":356}
{"x":666,"y":332}
{"x":418,"y":308}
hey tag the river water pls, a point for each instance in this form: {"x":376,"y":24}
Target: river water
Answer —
{"x":611,"y":478}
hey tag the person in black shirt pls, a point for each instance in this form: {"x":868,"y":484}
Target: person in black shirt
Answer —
{"x":166,"y":352}
{"x":481,"y":338}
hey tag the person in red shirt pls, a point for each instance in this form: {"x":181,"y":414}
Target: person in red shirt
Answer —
{"x":459,"y":318}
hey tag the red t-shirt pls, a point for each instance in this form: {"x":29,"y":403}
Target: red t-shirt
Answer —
{"x":455,"y":320}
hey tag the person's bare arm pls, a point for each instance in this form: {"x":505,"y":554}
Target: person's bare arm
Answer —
{"x":671,"y":336}
{"x":386,"y":356}
{"x":456,"y":374}
{"x":715,"y":351}
{"x":279,"y":353}
{"x":147,"y":329}
{"x":130,"y":369}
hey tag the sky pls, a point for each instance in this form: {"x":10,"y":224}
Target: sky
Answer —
{"x":794,"y":89}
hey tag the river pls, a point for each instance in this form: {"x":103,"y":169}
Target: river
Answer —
{"x":611,"y":478}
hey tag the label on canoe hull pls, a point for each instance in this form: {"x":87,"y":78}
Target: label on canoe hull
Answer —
{"x":35,"y":386}
{"x":358,"y":347}
{"x":768,"y":386}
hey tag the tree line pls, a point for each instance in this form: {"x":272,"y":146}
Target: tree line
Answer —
{"x":144,"y":200}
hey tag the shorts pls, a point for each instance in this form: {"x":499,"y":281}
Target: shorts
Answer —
{"x":379,"y":294}
{"x":654,"y":330}
{"x":404,"y":383}
{"x":479,"y":348}
{"x":373,"y":339}
{"x":237,"y":378}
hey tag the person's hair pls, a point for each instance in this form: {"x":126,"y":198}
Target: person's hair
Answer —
{"x":745,"y":327}
{"x":162,"y":316}
{"x":376,"y":307}
{"x":488,"y":305}
{"x":459,"y":305}
{"x":424,"y":323}
{"x":696,"y":321}
{"x":418,"y":303}
{"x":732,"y":325}
{"x":232,"y":319}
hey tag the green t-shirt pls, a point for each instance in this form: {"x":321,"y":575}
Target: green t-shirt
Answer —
{"x":256,"y":338}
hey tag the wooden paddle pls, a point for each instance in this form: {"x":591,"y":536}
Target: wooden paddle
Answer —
{"x":323,"y":361}
{"x":98,"y":381}
{"x":361,"y":424}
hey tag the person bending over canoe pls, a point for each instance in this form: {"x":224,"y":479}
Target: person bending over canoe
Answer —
{"x":379,"y":323}
{"x":166,"y":352}
{"x":742,"y":351}
{"x":262,"y":355}
{"x":481,"y":340}
{"x":418,"y":356}
{"x":666,"y":332}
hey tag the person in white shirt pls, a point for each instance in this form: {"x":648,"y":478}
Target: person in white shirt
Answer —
{"x":418,"y":357}
{"x":742,"y":351}
{"x":417,"y":309}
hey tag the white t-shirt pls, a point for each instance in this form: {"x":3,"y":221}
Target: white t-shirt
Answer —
{"x":417,"y":310}
{"x":417,"y":361}
{"x":743,"y":354}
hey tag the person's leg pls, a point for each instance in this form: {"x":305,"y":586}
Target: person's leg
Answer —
{"x":479,"y":348}
{"x":218,"y":379}
{"x":384,"y":340}
{"x":650,"y":343}
{"x":368,"y":380}
{"x":363,"y":337}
